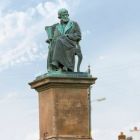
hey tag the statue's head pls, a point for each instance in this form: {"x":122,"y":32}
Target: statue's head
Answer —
{"x":63,"y":15}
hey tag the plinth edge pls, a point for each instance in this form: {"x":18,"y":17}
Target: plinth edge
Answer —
{"x":65,"y":78}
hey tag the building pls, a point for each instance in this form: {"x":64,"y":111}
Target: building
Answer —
{"x":135,"y":133}
{"x":122,"y":136}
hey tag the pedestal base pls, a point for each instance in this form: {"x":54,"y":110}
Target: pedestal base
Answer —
{"x":67,"y":138}
{"x":64,"y":107}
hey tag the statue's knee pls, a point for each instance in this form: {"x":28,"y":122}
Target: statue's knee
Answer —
{"x":80,"y":56}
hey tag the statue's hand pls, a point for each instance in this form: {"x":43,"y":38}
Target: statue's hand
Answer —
{"x":70,"y":36}
{"x":74,"y":36}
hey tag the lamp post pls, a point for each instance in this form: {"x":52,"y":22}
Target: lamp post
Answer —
{"x":99,"y":99}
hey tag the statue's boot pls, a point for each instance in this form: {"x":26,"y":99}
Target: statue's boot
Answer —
{"x":54,"y":65}
{"x":65,"y":68}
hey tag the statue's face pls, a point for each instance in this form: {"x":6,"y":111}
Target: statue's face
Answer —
{"x":64,"y":17}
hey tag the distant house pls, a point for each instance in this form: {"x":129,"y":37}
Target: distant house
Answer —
{"x":135,"y":134}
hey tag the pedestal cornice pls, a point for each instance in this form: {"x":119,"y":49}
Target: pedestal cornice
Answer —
{"x":75,"y":79}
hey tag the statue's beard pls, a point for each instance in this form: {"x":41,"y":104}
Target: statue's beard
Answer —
{"x":65,"y":20}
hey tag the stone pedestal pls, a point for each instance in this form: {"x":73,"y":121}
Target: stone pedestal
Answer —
{"x":64,"y":107}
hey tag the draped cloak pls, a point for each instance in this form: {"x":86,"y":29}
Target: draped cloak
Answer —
{"x":62,"y":48}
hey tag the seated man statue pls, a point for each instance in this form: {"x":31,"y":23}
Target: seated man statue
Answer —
{"x":63,"y":39}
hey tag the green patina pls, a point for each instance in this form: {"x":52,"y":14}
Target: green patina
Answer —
{"x":65,"y":74}
{"x":64,"y":27}
{"x":63,"y":39}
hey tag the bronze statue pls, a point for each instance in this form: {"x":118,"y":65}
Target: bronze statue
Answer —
{"x":63,"y":40}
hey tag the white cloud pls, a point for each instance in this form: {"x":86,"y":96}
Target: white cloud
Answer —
{"x":32,"y":136}
{"x":86,"y":32}
{"x":11,"y":96}
{"x":8,"y":97}
{"x":101,"y":57}
{"x":20,"y":32}
{"x":17,"y":112}
{"x":107,"y":134}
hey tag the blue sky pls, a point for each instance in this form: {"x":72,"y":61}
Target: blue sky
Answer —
{"x":110,"y":45}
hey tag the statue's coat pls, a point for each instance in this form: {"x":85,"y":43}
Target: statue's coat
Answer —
{"x":62,"y":48}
